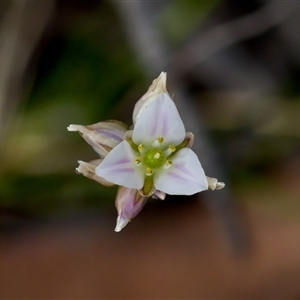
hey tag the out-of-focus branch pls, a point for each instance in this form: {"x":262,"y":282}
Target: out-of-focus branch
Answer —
{"x":21,"y":28}
{"x":222,"y":36}
{"x":151,"y":51}
{"x":146,"y":42}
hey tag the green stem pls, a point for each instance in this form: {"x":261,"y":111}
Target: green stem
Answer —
{"x":148,"y":185}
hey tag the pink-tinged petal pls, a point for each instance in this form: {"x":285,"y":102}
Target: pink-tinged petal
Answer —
{"x":159,"y":119}
{"x":128,"y":203}
{"x":119,"y":167}
{"x":102,"y":136}
{"x":184,"y":177}
{"x":159,"y":85}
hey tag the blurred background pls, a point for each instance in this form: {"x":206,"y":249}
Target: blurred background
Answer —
{"x":234,"y":67}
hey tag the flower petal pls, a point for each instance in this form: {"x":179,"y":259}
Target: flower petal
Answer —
{"x":158,"y":86}
{"x":102,"y":136}
{"x":184,"y":177}
{"x":119,"y":167}
{"x":159,"y":119}
{"x":129,"y":203}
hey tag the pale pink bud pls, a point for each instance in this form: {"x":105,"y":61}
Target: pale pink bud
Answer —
{"x":128,"y":203}
{"x":102,"y":136}
{"x":87,"y":169}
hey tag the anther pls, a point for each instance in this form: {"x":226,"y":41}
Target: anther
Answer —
{"x":137,"y":161}
{"x":170,"y":150}
{"x":167,"y":164}
{"x":141,"y":148}
{"x":149,"y":172}
{"x":158,"y":141}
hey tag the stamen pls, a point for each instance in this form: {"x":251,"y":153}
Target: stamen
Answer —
{"x":158,"y":141}
{"x":170,"y":150}
{"x":132,"y":144}
{"x":138,"y":161}
{"x":167,"y":164}
{"x":141,"y":148}
{"x":149,"y":172}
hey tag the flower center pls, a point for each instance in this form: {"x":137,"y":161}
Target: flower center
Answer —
{"x":153,"y":158}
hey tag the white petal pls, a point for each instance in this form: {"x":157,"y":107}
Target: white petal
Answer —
{"x":159,"y":85}
{"x":119,"y":167}
{"x":159,"y":119}
{"x":184,"y":177}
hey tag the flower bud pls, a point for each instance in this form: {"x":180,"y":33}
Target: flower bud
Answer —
{"x":214,"y":184}
{"x":102,"y":136}
{"x":128,"y":203}
{"x":88,"y":170}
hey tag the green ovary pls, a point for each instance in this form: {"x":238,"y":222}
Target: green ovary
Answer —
{"x":153,"y":159}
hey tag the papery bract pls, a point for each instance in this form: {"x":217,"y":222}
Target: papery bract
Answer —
{"x":119,"y":167}
{"x":214,"y":184}
{"x":88,"y":170}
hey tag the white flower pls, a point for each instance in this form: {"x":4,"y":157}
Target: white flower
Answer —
{"x":153,"y":159}
{"x":153,"y":156}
